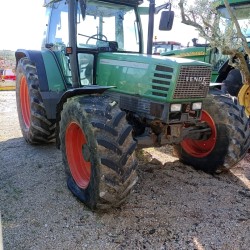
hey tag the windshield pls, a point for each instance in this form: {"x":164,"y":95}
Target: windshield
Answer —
{"x":102,"y":22}
{"x":58,"y":29}
{"x":242,"y":13}
{"x":108,"y":22}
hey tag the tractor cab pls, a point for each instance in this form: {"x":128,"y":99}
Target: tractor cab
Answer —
{"x":100,"y":27}
{"x":79,"y":31}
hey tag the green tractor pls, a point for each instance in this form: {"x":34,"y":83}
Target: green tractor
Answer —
{"x":222,"y":72}
{"x":93,"y":91}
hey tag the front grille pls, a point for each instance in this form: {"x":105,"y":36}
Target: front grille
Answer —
{"x":161,"y":80}
{"x":193,"y":82}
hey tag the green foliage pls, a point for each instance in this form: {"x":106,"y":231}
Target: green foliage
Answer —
{"x":215,"y":24}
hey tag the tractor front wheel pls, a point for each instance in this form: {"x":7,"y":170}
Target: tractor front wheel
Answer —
{"x":98,"y":151}
{"x":35,"y":126}
{"x":229,"y":140}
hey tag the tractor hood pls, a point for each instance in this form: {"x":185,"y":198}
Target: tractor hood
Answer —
{"x":165,"y":79}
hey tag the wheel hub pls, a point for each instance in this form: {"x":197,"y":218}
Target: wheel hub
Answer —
{"x":78,"y":155}
{"x":202,"y":148}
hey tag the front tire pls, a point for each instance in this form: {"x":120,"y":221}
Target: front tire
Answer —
{"x":98,"y":151}
{"x":35,"y":126}
{"x":229,"y":140}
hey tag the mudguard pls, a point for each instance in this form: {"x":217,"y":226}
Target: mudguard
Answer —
{"x":37,"y":59}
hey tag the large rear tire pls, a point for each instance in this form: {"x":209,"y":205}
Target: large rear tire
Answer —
{"x":229,"y":140}
{"x":232,"y":83}
{"x":35,"y":126}
{"x":98,"y":151}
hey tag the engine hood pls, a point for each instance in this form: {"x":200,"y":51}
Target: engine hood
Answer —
{"x":153,"y":76}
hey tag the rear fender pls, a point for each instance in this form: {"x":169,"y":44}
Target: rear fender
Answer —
{"x":36,"y":58}
{"x":49,"y":69}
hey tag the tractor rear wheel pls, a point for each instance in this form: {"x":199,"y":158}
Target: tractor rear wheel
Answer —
{"x":233,"y":82}
{"x":229,"y":140}
{"x":98,"y":151}
{"x":35,"y":126}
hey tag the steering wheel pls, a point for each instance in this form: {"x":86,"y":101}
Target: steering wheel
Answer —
{"x":96,"y":37}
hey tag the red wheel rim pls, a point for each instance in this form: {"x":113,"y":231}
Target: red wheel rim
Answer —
{"x":25,"y":101}
{"x":198,"y":148}
{"x":79,"y":164}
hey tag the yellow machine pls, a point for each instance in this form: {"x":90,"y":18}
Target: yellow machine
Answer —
{"x":244,"y":98}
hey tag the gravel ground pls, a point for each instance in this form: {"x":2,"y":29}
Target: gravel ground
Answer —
{"x":171,"y":207}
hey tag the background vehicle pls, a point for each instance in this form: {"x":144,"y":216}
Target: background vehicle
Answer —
{"x":8,"y":74}
{"x":7,"y":79}
{"x":222,"y":72}
{"x":203,"y":53}
{"x":165,"y":46}
{"x":92,"y":89}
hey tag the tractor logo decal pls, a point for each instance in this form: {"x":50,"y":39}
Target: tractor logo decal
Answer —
{"x":124,"y":63}
{"x":200,"y":79}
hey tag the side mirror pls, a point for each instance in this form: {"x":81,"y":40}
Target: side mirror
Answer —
{"x":166,"y":21}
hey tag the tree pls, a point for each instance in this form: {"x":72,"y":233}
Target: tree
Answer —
{"x":222,"y":31}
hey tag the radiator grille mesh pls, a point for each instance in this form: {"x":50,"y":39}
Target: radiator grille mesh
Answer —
{"x":193,"y":82}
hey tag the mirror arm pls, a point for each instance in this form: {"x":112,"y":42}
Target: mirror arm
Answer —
{"x":161,"y":7}
{"x":83,"y":8}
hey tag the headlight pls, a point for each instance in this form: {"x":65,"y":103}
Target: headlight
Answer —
{"x":175,"y":107}
{"x":196,"y":105}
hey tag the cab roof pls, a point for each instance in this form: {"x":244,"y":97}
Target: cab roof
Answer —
{"x":129,"y":2}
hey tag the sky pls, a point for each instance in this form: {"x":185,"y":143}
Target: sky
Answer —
{"x":22,"y":26}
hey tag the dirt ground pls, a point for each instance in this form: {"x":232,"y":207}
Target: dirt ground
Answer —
{"x":171,"y":207}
